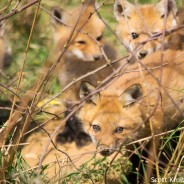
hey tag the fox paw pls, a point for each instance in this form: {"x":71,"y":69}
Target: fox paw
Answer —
{"x":64,"y":137}
{"x":82,"y":139}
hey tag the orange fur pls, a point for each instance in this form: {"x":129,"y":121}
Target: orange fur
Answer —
{"x":176,"y":40}
{"x":5,"y":49}
{"x":135,"y":100}
{"x":144,"y":21}
{"x":84,"y":53}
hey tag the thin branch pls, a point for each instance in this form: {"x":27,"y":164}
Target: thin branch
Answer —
{"x":16,"y":11}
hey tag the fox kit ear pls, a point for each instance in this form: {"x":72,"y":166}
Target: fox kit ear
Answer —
{"x":163,"y":7}
{"x":132,"y":94}
{"x":122,"y":8}
{"x":2,"y":30}
{"x":85,"y":89}
{"x":57,"y":15}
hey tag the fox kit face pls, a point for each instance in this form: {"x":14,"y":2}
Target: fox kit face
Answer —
{"x":88,"y":34}
{"x":137,"y":23}
{"x":5,"y":50}
{"x":110,"y":120}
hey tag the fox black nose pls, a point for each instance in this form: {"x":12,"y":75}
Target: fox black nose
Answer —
{"x":96,"y":58}
{"x":142,"y":54}
{"x":105,"y":152}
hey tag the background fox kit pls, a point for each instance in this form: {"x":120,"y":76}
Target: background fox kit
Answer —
{"x":5,"y":61}
{"x":5,"y":49}
{"x":83,"y":55}
{"x":137,"y":23}
{"x":126,"y":109}
{"x":176,"y":40}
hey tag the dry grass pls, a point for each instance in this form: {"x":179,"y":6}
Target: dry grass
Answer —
{"x":30,"y":34}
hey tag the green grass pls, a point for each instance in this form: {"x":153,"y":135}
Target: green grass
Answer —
{"x":20,"y":172}
{"x":96,"y":170}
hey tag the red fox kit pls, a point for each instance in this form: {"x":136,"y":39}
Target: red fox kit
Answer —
{"x":125,"y":110}
{"x":83,"y":55}
{"x":138,"y":23}
{"x":176,"y":40}
{"x":5,"y":61}
{"x":5,"y":49}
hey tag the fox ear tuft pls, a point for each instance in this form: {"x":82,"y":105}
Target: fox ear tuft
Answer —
{"x":57,"y":15}
{"x":89,"y":2}
{"x":168,"y":6}
{"x":85,"y":89}
{"x":132,"y":94}
{"x":122,"y":8}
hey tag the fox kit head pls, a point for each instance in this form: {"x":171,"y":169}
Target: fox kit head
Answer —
{"x":111,"y":119}
{"x":5,"y":49}
{"x":137,"y":23}
{"x":88,"y":34}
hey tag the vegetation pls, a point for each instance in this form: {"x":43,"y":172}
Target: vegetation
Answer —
{"x":29,"y":58}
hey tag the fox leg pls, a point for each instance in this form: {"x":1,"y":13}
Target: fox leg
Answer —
{"x":73,"y":131}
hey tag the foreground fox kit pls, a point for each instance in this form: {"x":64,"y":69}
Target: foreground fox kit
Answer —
{"x":138,"y":23}
{"x":81,"y":57}
{"x":127,"y":108}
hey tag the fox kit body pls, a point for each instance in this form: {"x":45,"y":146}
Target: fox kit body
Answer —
{"x":5,"y":49}
{"x":139,"y":23}
{"x":176,"y":39}
{"x":5,"y":61}
{"x":81,"y":57}
{"x":135,"y":102}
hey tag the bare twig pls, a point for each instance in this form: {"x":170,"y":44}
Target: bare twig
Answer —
{"x":16,"y":11}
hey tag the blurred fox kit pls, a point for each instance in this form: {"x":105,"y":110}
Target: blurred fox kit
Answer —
{"x":5,"y":61}
{"x":176,"y":40}
{"x":5,"y":49}
{"x":137,"y":24}
{"x":81,"y":57}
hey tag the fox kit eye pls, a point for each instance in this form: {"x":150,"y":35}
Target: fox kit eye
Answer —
{"x":96,"y":128}
{"x":134,"y":35}
{"x":99,"y":38}
{"x":81,"y":42}
{"x":119,"y":130}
